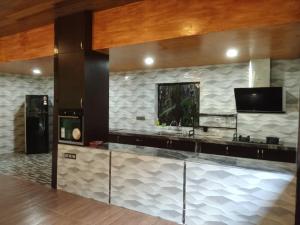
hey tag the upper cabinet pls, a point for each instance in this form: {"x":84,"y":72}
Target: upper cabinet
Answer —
{"x":81,"y":76}
{"x":70,"y":80}
{"x":75,"y":33}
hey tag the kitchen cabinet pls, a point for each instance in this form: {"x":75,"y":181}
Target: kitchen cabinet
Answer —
{"x":217,"y":149}
{"x":181,"y":145}
{"x":139,"y":140}
{"x":243,"y":152}
{"x":278,"y":155}
{"x":81,"y":76}
{"x":70,"y":80}
{"x":74,"y":33}
{"x":251,"y":152}
{"x":125,"y":139}
{"x":156,"y":142}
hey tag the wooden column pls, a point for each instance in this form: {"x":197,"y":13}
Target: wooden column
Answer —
{"x":81,"y":79}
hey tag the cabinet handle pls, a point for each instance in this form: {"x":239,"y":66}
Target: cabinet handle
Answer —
{"x":262,"y":153}
{"x":81,"y":102}
{"x":227,"y":150}
{"x":81,"y":45}
{"x":258,"y":155}
{"x":138,"y":140}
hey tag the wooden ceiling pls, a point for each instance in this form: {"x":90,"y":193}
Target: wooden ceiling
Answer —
{"x":277,"y":42}
{"x":21,"y":15}
{"x":142,"y":21}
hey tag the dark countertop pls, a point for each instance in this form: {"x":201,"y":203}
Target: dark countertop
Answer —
{"x":171,"y":135}
{"x":210,"y":159}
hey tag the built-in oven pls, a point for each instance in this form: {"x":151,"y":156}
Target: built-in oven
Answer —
{"x":71,"y":127}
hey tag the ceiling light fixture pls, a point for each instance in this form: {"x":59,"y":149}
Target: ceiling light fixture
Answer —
{"x":232,"y":52}
{"x":149,"y":61}
{"x":36,"y":71}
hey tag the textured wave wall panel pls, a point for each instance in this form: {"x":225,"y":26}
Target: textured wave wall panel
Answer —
{"x":134,"y":94}
{"x":223,"y":195}
{"x":87,"y":176}
{"x":148,"y":184}
{"x":13,"y":89}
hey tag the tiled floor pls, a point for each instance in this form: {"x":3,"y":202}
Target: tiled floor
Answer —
{"x":35,"y":168}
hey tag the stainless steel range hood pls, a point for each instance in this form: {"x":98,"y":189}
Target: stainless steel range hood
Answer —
{"x":259,"y":73}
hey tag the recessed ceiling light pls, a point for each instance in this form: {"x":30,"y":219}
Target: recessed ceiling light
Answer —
{"x":232,"y":52}
{"x":149,"y":60}
{"x":36,"y":71}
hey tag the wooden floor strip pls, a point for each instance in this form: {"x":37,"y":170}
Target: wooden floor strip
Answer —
{"x":26,"y":203}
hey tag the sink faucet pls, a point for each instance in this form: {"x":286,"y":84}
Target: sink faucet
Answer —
{"x":175,"y":124}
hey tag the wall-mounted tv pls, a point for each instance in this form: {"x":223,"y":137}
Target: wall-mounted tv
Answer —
{"x":260,"y":100}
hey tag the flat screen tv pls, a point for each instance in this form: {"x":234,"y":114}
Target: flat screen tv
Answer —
{"x":260,"y":100}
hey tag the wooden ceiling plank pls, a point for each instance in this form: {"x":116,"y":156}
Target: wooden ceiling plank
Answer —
{"x":157,"y":20}
{"x":29,"y":11}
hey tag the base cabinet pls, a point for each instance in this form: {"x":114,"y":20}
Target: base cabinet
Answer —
{"x":278,"y":155}
{"x":216,"y":149}
{"x":159,"y":142}
{"x":243,"y":152}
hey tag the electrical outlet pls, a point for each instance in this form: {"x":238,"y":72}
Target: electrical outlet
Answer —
{"x":69,"y":156}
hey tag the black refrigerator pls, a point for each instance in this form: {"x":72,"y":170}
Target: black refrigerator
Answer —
{"x":36,"y":124}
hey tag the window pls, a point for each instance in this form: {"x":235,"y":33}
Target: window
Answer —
{"x":179,"y":102}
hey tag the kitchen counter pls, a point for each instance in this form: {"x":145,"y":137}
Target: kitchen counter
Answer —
{"x":184,"y":187}
{"x":172,"y":135}
{"x":200,"y":157}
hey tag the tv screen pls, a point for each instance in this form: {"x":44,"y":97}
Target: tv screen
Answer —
{"x":260,"y":100}
{"x":178,"y":102}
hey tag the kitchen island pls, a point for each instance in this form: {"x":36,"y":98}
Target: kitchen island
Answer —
{"x":185,"y":187}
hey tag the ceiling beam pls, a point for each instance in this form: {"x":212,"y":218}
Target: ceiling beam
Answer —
{"x":35,"y":43}
{"x":152,"y":20}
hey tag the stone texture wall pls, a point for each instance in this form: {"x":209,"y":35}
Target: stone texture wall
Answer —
{"x":13,"y":89}
{"x":134,"y":94}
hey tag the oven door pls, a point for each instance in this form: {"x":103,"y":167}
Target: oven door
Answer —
{"x":70,"y":130}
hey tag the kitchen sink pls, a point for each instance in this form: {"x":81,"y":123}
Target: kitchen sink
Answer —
{"x":170,"y":133}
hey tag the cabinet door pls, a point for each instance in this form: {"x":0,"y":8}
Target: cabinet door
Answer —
{"x":278,"y":155}
{"x":73,"y":33}
{"x":216,"y":149}
{"x":113,"y":138}
{"x":243,"y":152}
{"x":155,"y":142}
{"x":70,"y":75}
{"x":182,"y":145}
{"x":131,"y":140}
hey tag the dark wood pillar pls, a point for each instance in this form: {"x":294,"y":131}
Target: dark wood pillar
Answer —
{"x":81,"y":80}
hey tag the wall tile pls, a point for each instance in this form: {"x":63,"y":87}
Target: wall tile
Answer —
{"x":87,"y":176}
{"x":148,"y":184}
{"x":235,"y":196}
{"x":13,"y":89}
{"x":134,"y":93}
